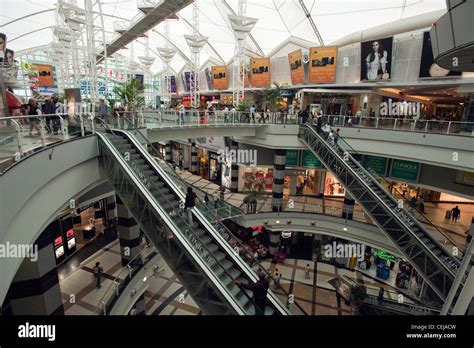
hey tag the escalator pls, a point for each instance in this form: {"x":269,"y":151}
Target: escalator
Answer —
{"x":434,"y":263}
{"x":206,"y":267}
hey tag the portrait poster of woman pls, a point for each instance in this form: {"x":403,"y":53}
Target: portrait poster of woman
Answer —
{"x":376,"y":60}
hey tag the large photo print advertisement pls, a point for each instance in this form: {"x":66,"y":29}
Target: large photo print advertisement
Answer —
{"x":428,"y":67}
{"x":322,"y":67}
{"x":376,"y":60}
{"x":296,"y":67}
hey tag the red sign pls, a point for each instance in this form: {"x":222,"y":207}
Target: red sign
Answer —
{"x":58,"y":241}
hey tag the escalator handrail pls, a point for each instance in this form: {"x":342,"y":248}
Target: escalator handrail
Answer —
{"x":380,"y":200}
{"x":176,"y":231}
{"x":222,"y":242}
{"x":426,"y":220}
{"x":243,"y":266}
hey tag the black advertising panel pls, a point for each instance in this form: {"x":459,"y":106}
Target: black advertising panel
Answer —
{"x":428,"y":67}
{"x":376,"y":60}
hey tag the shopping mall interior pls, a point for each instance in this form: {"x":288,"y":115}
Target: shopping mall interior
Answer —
{"x":236,"y":157}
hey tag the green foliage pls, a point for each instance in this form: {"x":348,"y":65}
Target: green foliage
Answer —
{"x":111,"y":101}
{"x":273,"y":97}
{"x":130,"y":94}
{"x":358,"y":293}
{"x":243,"y":105}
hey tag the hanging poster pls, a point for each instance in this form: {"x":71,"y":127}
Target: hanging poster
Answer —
{"x":428,"y":67}
{"x":172,"y":85}
{"x":296,"y":67}
{"x":45,"y":75}
{"x":219,"y":77}
{"x":210,"y":84}
{"x":376,"y":60}
{"x":260,"y":72}
{"x":3,"y":46}
{"x":322,"y":64}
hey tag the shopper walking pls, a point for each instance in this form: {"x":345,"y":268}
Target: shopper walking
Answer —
{"x":307,"y":271}
{"x":98,"y":274}
{"x":206,"y":199}
{"x":336,"y":136}
{"x":48,"y":109}
{"x":190,"y":203}
{"x":455,"y":214}
{"x":277,"y":281}
{"x":103,"y":111}
{"x":380,"y":297}
{"x":260,"y":290}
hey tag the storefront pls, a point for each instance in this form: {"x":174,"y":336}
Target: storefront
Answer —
{"x":215,"y":168}
{"x":255,"y":178}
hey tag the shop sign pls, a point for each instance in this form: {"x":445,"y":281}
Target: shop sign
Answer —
{"x":292,"y":158}
{"x":374,"y":164}
{"x":405,"y":170}
{"x":308,"y":159}
{"x":384,"y":256}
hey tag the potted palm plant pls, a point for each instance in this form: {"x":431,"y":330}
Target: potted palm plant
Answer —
{"x":358,"y":294}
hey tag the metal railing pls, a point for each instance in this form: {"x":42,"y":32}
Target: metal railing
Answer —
{"x":405,"y":124}
{"x":123,"y":278}
{"x":17,"y":139}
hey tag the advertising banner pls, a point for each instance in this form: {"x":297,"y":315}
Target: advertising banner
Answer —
{"x":141,"y":78}
{"x":428,"y":67}
{"x":45,"y":75}
{"x":376,"y":59}
{"x":405,"y":170}
{"x":292,"y":158}
{"x":3,"y":46}
{"x":219,"y":77}
{"x":309,"y":160}
{"x":375,"y":164}
{"x":322,"y":64}
{"x":187,"y":77}
{"x":210,"y":85}
{"x":172,"y":85}
{"x":260,"y":72}
{"x":296,"y":67}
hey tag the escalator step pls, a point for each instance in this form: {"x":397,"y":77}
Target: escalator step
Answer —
{"x":200,"y":232}
{"x":213,"y":248}
{"x":219,"y":256}
{"x":226,"y":264}
{"x":205,"y":240}
{"x":234,"y":273}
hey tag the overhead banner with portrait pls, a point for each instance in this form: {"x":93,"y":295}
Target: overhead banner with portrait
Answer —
{"x":219,"y":77}
{"x":296,"y":67}
{"x":45,"y":74}
{"x":428,"y":67}
{"x":260,"y":72}
{"x":322,"y":67}
{"x":376,"y":60}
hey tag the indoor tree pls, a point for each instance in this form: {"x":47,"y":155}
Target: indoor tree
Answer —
{"x":130,"y":94}
{"x":273,"y":96}
{"x":253,"y":194}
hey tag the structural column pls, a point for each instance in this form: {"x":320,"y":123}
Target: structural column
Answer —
{"x":348,"y":208}
{"x":274,"y":242}
{"x":234,"y":186}
{"x":194,"y":159}
{"x":35,"y":289}
{"x":278,"y":179}
{"x":168,"y":157}
{"x":128,"y":232}
{"x":111,"y":211}
{"x":140,"y":306}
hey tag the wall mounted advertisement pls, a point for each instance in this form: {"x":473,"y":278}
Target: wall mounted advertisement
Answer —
{"x":3,"y":46}
{"x":292,"y":158}
{"x":405,"y":170}
{"x":428,"y":67}
{"x":260,"y":72}
{"x":219,"y":77}
{"x":296,"y":67}
{"x":322,"y":67}
{"x":309,"y":160}
{"x":45,"y":75}
{"x":376,"y":59}
{"x":187,"y":78}
{"x":375,"y":164}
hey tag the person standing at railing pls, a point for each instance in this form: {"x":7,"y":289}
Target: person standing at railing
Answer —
{"x":58,"y":109}
{"x":33,"y":111}
{"x":48,"y":109}
{"x":103,"y":110}
{"x":182,"y":112}
{"x":336,"y":136}
{"x":97,"y":271}
{"x":260,"y":290}
{"x":455,"y":214}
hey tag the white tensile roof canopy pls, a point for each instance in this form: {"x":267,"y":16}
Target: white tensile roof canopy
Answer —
{"x":277,"y":21}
